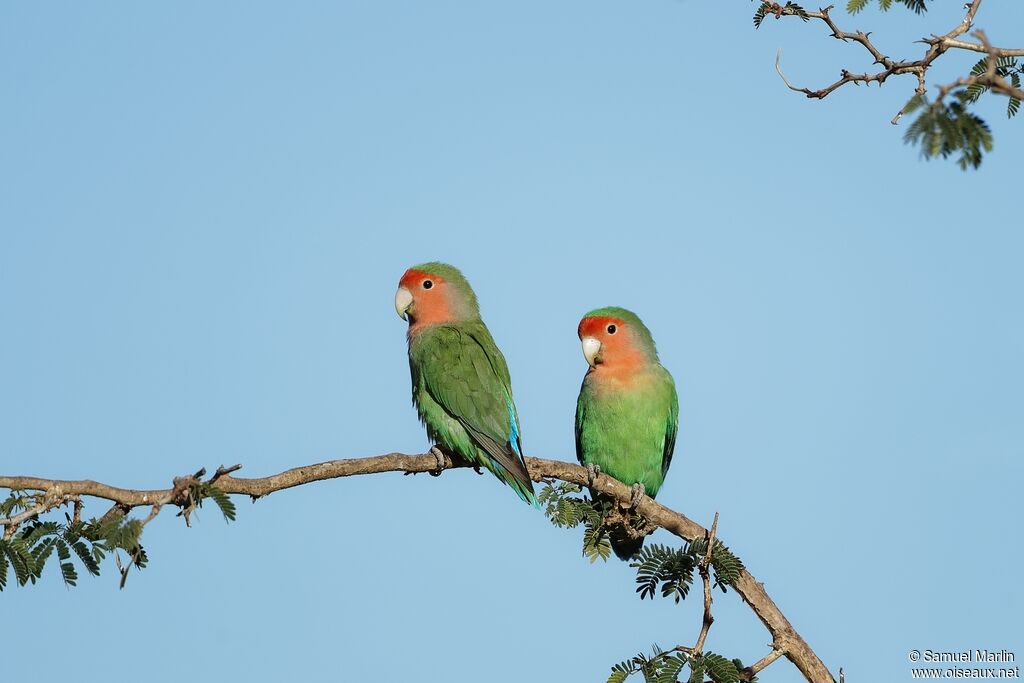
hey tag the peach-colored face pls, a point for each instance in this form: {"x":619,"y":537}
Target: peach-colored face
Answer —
{"x":428,"y":297}
{"x":609,"y":345}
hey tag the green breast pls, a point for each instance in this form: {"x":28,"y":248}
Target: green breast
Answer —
{"x":626,"y":429}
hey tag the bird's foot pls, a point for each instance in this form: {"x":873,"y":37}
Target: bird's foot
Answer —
{"x":441,"y":461}
{"x":636,"y":494}
{"x":592,"y":472}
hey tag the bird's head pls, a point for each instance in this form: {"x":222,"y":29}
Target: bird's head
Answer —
{"x":435,"y":293}
{"x":616,"y":340}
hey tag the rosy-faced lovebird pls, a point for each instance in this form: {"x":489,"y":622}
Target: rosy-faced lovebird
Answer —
{"x":460,"y":382}
{"x":628,"y":411}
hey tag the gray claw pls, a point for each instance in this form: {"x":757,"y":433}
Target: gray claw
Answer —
{"x":592,"y":472}
{"x":439,"y":455}
{"x":636,"y":491}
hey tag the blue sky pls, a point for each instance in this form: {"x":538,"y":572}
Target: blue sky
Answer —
{"x":204,"y":213}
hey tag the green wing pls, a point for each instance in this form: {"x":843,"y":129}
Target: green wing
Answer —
{"x":465,"y":373}
{"x":671,"y":427}
{"x":581,"y":411}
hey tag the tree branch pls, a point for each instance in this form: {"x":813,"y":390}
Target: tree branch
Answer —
{"x":785,"y":639}
{"x":994,"y":51}
{"x":766,"y":660}
{"x":990,"y":78}
{"x":54,"y":498}
{"x":705,"y":575}
{"x":937,"y":46}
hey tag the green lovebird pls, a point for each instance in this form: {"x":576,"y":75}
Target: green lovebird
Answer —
{"x":460,"y":381}
{"x":627,"y":413}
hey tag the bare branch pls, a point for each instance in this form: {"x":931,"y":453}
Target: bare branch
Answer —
{"x":766,"y":660}
{"x":785,"y":638}
{"x":845,"y":77}
{"x":937,"y":46}
{"x":997,"y":51}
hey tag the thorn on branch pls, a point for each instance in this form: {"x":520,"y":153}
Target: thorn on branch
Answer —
{"x":222,"y":471}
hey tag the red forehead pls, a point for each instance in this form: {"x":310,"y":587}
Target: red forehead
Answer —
{"x":415,"y":277}
{"x":596,"y":325}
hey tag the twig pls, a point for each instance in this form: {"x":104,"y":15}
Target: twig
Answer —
{"x":221,"y":471}
{"x":51,"y":500}
{"x":765,"y":661}
{"x":705,"y":575}
{"x":974,"y":47}
{"x":919,"y":91}
{"x":778,"y":56}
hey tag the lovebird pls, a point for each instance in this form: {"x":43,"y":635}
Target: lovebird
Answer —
{"x":460,"y":382}
{"x":627,"y":414}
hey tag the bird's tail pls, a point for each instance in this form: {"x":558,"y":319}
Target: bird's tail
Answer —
{"x":523,"y":489}
{"x":507,"y":464}
{"x":625,"y":546}
{"x":518,"y":479}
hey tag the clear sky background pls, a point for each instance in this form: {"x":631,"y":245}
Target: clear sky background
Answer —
{"x":204,"y":212}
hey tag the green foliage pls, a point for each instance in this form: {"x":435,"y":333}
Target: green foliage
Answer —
{"x":797,"y":10}
{"x":917,"y":5}
{"x":720,"y":669}
{"x":17,"y":502}
{"x":666,"y":666}
{"x":88,"y":543}
{"x":660,"y":667}
{"x":766,"y":8}
{"x":596,"y":543}
{"x":760,"y":13}
{"x":727,"y":567}
{"x":945,"y":129}
{"x":670,"y":567}
{"x":854,"y":6}
{"x":204,"y":489}
{"x":673,"y":568}
{"x":660,"y":569}
{"x":1007,"y":67}
{"x":81,"y":544}
{"x":567,"y":510}
{"x":16,"y":554}
{"x":1014,"y":104}
{"x":561,"y":507}
{"x":696,"y":670}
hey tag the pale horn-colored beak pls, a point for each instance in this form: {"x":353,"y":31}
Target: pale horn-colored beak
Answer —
{"x":403,"y":300}
{"x":591,"y":347}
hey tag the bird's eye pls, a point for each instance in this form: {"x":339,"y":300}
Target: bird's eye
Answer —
{"x":427,"y":284}
{"x":612,"y":328}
